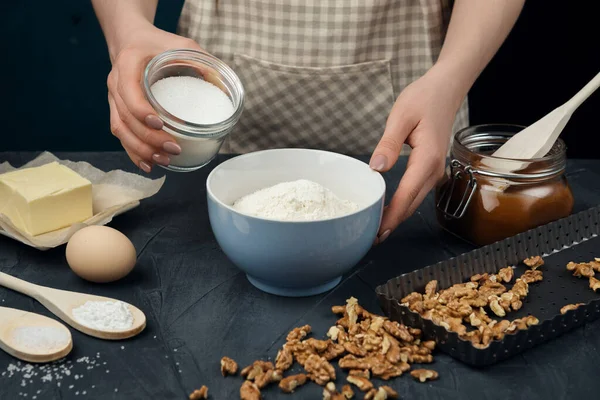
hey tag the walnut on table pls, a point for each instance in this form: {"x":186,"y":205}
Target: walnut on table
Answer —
{"x":371,"y":345}
{"x":249,"y":391}
{"x":319,"y":369}
{"x":299,"y":333}
{"x":347,"y":392}
{"x":228,"y":366}
{"x":333,"y":333}
{"x":363,"y":373}
{"x":387,"y":371}
{"x":391,"y":393}
{"x":361,"y":383}
{"x":333,"y":351}
{"x":199,"y":394}
{"x":382,"y":393}
{"x":423,"y":375}
{"x":290,"y":383}
{"x":284,"y":359}
{"x":270,"y":376}
{"x":331,"y":393}
{"x":257,"y":369}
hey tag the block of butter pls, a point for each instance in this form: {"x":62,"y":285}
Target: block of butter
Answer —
{"x":46,"y":198}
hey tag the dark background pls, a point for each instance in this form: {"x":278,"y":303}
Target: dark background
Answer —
{"x":54,"y":66}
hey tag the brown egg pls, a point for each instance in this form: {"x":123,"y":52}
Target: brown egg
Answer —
{"x":100,"y":254}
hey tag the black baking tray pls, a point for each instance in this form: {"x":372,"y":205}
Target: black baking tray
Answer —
{"x":575,"y":238}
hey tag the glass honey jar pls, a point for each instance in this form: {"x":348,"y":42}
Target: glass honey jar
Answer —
{"x":484,"y":199}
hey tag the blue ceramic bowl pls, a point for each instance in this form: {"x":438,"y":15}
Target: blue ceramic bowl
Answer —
{"x":295,"y":258}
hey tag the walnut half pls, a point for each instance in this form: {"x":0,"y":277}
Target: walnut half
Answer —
{"x":228,"y":366}
{"x":363,"y":384}
{"x":199,"y":394}
{"x":290,"y":383}
{"x":594,"y":283}
{"x":581,"y":269}
{"x":383,"y":393}
{"x":319,"y":369}
{"x":423,"y":375}
{"x":299,"y":333}
{"x":249,"y":391}
{"x":347,"y":392}
{"x":570,"y":307}
{"x":534,"y":262}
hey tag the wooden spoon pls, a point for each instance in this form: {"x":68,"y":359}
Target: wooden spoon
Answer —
{"x":61,"y":303}
{"x":18,"y":322}
{"x":536,"y":140}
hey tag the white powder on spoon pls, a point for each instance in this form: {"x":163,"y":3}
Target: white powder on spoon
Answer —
{"x":104,"y":315}
{"x":193,"y":99}
{"x":39,"y":338}
{"x":300,"y":200}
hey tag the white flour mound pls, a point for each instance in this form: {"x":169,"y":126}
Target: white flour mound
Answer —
{"x":104,"y":315}
{"x":300,"y":200}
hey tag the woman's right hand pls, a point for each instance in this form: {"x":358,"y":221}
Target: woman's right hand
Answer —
{"x":132,"y":119}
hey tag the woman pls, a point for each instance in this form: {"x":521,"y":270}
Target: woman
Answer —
{"x":327,"y":74}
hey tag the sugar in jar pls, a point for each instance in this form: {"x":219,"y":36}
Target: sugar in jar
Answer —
{"x":483,"y":199}
{"x":199,"y":99}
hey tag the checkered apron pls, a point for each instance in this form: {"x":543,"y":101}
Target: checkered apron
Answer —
{"x":319,"y":73}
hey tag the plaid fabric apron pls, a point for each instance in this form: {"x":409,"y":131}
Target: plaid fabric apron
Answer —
{"x":319,"y":73}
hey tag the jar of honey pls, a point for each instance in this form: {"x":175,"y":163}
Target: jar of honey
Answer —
{"x":484,"y":199}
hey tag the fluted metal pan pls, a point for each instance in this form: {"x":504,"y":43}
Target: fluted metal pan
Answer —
{"x":575,"y":238}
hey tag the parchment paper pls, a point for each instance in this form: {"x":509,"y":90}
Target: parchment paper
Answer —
{"x":113,"y":193}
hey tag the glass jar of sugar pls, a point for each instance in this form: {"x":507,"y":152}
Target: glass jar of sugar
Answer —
{"x":199,"y":99}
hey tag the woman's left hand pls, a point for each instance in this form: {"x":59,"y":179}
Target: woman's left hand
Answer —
{"x":422,"y":117}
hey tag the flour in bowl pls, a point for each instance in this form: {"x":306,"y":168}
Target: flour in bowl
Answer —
{"x":300,"y":200}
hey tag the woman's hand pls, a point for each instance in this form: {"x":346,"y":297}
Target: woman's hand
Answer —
{"x":132,"y":119}
{"x":422,"y":117}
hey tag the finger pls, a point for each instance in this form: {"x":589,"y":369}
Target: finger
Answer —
{"x":144,"y":166}
{"x":130,"y":65}
{"x":158,"y":139}
{"x":140,"y":153}
{"x":412,"y":190}
{"x":397,"y":128}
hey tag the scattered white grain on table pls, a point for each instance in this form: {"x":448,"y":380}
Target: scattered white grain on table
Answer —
{"x":48,"y":375}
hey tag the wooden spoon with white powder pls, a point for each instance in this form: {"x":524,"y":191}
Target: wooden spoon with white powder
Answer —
{"x":97,"y":316}
{"x":33,"y":337}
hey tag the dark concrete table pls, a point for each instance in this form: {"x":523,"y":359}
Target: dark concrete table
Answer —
{"x":200,"y":307}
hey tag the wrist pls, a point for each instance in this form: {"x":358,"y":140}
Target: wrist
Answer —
{"x":455,"y":80}
{"x":123,"y":32}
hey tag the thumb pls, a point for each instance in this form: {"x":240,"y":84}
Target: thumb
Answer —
{"x":397,"y":128}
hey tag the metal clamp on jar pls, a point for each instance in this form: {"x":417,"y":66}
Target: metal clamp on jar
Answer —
{"x":483,"y":199}
{"x":199,"y":143}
